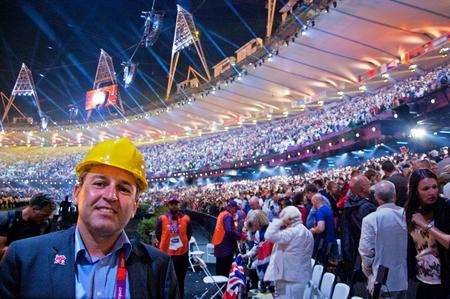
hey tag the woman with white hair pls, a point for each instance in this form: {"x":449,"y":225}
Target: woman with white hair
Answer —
{"x":290,"y":263}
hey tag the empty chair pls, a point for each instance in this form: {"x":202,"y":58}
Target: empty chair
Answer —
{"x":217,"y":282}
{"x":194,"y":251}
{"x":209,"y":252}
{"x":313,"y":262}
{"x":312,"y":288}
{"x":308,"y":292}
{"x":326,"y":287}
{"x":316,"y":276}
{"x":341,"y":291}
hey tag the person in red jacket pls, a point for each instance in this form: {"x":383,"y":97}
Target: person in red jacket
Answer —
{"x":173,"y":231}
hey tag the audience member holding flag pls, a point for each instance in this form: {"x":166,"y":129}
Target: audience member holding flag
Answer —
{"x":256,"y":225}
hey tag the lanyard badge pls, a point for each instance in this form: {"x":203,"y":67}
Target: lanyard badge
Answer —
{"x":121,"y":277}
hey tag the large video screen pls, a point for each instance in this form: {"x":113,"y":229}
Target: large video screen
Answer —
{"x":100,"y":97}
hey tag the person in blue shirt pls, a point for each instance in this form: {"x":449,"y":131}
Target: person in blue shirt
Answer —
{"x":95,"y":258}
{"x":325,"y":245}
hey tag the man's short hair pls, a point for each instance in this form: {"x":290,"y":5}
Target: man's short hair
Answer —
{"x":42,"y":200}
{"x":311,"y":188}
{"x":318,"y":183}
{"x":384,"y":191}
{"x":388,"y":166}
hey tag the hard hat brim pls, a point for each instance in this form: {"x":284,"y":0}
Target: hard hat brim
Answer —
{"x":85,"y":165}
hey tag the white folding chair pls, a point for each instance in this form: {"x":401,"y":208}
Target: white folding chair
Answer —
{"x":341,"y":291}
{"x":316,"y":276}
{"x":312,"y":288}
{"x":308,"y":292}
{"x":217,"y":281}
{"x":209,"y":252}
{"x":313,"y":262}
{"x":326,"y":287}
{"x":194,"y":251}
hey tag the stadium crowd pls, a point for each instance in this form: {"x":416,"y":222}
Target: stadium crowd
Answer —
{"x":271,"y":137}
{"x":343,"y":209}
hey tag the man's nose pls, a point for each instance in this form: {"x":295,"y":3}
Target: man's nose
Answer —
{"x":111,"y":193}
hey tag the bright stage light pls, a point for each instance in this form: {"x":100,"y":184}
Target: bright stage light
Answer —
{"x":418,"y":133}
{"x":99,"y":98}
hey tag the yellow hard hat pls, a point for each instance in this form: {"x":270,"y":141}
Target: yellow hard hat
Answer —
{"x":121,"y":153}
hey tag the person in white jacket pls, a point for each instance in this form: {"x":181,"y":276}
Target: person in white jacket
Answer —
{"x":384,"y":239}
{"x":290,"y":263}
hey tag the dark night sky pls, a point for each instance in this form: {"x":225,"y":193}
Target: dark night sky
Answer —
{"x":60,"y":42}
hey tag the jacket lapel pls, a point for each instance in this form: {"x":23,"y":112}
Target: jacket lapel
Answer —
{"x":62,"y":266}
{"x":138,"y":273}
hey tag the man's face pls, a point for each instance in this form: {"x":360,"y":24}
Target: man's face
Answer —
{"x":174,"y":206}
{"x":40,"y":215}
{"x":106,"y":200}
{"x":233,"y":210}
{"x":254,"y":205}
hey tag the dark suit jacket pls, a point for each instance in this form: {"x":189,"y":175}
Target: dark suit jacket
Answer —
{"x":28,"y":269}
{"x":401,"y":188}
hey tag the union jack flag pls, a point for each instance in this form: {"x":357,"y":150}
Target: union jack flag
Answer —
{"x":236,"y":279}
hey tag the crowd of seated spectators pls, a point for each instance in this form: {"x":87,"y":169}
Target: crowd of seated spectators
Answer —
{"x":268,"y":137}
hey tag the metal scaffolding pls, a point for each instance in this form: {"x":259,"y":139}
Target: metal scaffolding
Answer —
{"x":186,"y":34}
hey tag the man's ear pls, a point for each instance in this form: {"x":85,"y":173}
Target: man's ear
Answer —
{"x":75,"y":192}
{"x":136,"y":205}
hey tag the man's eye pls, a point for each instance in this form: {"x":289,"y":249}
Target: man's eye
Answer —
{"x":124,"y":189}
{"x":99,"y":183}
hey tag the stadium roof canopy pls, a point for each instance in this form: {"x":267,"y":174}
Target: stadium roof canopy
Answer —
{"x":326,"y":62}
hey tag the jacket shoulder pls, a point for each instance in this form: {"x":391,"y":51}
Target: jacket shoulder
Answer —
{"x":154,"y":253}
{"x":43,"y":241}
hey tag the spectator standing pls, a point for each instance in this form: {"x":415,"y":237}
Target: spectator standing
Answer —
{"x":290,"y":263}
{"x":356,"y":208}
{"x":34,"y":220}
{"x":428,"y":216}
{"x":325,"y":246}
{"x":399,"y":180}
{"x":256,"y":224}
{"x":225,"y":239}
{"x":384,"y":242}
{"x":173,"y":232}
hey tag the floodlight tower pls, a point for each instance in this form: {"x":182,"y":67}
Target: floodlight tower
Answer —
{"x":271,"y":5}
{"x":186,"y":34}
{"x":105,"y":71}
{"x":24,"y":86}
{"x":106,"y":76}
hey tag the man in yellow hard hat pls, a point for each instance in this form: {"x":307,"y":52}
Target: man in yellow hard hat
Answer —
{"x":94,"y":259}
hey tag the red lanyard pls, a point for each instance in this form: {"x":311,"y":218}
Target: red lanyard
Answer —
{"x":121,"y":277}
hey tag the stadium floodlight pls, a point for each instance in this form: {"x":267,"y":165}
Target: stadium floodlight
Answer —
{"x":129,"y":70}
{"x":152,"y":27}
{"x":418,"y":133}
{"x":99,"y":98}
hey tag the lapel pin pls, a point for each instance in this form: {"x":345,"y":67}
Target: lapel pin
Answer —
{"x":60,"y":259}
